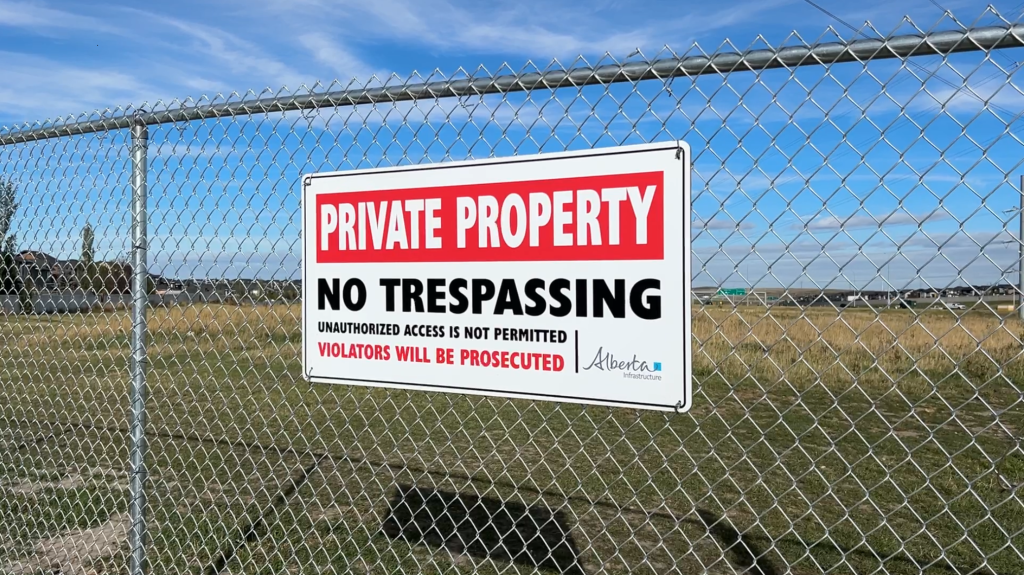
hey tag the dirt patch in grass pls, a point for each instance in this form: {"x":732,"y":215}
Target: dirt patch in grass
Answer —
{"x":73,"y":478}
{"x":73,"y":553}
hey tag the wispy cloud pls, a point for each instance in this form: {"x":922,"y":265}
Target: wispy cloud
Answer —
{"x":984,"y":87}
{"x":864,"y":221}
{"x":233,"y":53}
{"x":41,"y":18}
{"x":57,"y":56}
{"x":496,"y":28}
{"x":530,"y":28}
{"x":36,"y":87}
{"x":337,"y":57}
{"x":720,"y":223}
{"x":971,"y":243}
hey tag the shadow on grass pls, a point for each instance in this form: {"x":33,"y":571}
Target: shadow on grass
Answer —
{"x":483,"y":527}
{"x":255,"y":529}
{"x":745,"y":554}
{"x":742,"y":549}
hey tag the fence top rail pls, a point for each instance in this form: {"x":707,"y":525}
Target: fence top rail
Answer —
{"x":904,"y":46}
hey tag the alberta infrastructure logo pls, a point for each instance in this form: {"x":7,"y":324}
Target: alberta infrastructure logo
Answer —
{"x":633,"y":368}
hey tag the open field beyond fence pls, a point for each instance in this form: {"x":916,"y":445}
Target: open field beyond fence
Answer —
{"x":819,"y":439}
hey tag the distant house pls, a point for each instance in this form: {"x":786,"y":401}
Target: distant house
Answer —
{"x":48,"y":273}
{"x":868,"y":296}
{"x":161,"y":283}
{"x":961,"y":291}
{"x":207,"y":290}
{"x":44,"y":271}
{"x":1002,"y":289}
{"x":252,"y":290}
{"x":66,"y":273}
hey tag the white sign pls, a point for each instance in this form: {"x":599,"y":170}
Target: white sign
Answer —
{"x":559,"y":277}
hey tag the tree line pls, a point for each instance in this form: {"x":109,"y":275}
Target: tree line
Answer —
{"x":91,"y":276}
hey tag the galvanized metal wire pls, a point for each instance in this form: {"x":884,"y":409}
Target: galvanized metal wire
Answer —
{"x":848,"y":416}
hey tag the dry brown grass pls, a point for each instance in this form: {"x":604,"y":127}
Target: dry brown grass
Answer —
{"x":210,"y":322}
{"x":800,"y":346}
{"x":227,"y":374}
{"x":217,"y":320}
{"x":804,"y":345}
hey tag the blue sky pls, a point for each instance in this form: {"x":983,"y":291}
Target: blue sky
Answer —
{"x":794,"y":184}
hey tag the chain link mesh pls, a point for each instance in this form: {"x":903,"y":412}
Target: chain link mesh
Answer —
{"x":828,"y":433}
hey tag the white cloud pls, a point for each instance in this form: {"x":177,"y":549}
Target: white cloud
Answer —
{"x":41,"y":18}
{"x":491,"y":111}
{"x":493,"y":28}
{"x":985,"y":87}
{"x":35,"y":87}
{"x":341,"y":60}
{"x":234,"y":54}
{"x":277,"y":265}
{"x":864,"y":221}
{"x":194,"y":150}
{"x":719,"y":223}
{"x":966,"y":242}
{"x":938,"y":259}
{"x":528,"y":28}
{"x":174,"y":59}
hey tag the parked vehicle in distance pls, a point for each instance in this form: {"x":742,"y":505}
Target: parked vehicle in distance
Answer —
{"x":953,"y":306}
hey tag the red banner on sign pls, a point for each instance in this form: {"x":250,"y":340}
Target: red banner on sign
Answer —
{"x":611,"y":217}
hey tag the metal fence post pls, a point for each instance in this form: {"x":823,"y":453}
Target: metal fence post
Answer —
{"x":137,"y":428}
{"x":411,"y":465}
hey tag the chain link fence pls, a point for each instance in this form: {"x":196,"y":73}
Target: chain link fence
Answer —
{"x":848,"y":416}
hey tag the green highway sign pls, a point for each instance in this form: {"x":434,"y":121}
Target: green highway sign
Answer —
{"x":732,"y":291}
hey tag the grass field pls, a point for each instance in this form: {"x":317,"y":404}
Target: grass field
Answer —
{"x":819,"y":440}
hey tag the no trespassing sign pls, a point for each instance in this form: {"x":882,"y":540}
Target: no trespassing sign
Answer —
{"x":559,"y":277}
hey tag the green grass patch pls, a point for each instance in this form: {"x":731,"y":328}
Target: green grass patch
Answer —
{"x":825,"y":451}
